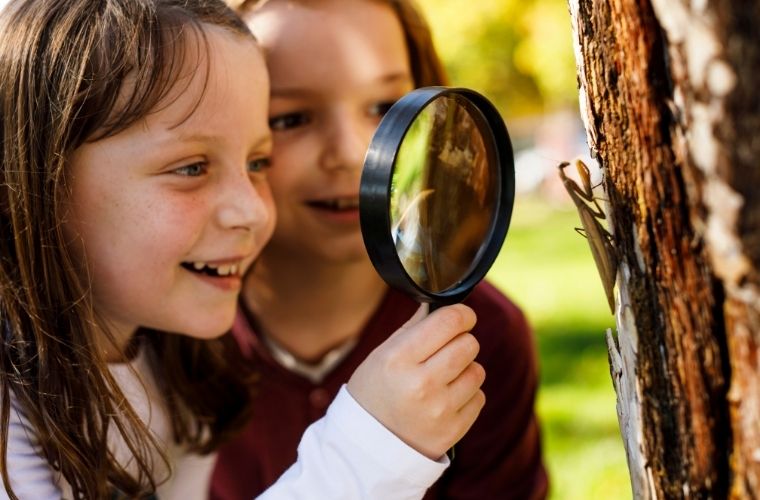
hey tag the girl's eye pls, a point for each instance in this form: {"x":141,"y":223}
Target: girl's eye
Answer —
{"x":288,"y":121}
{"x":379,"y":109}
{"x":259,"y":165}
{"x":193,"y":170}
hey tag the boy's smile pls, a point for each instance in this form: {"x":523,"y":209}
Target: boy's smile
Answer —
{"x":337,"y":210}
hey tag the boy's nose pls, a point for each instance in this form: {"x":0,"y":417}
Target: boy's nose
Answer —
{"x":345,"y":143}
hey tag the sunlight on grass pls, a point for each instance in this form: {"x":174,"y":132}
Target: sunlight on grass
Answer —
{"x":547,"y":269}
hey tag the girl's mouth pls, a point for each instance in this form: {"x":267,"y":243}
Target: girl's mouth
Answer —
{"x":213,"y":270}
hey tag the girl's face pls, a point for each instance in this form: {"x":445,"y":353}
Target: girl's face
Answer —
{"x":168,"y":213}
{"x":335,"y":67}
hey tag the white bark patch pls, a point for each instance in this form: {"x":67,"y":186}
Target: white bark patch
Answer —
{"x":698,"y":5}
{"x":692,"y":28}
{"x":701,"y":47}
{"x":623,"y":359}
{"x":726,"y":254}
{"x":674,"y":18}
{"x":583,"y":101}
{"x":703,"y":146}
{"x":721,"y":78}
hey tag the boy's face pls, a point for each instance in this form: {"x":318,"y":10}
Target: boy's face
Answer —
{"x":168,"y":213}
{"x":335,"y":67}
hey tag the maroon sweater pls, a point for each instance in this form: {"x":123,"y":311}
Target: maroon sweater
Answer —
{"x":499,"y":458}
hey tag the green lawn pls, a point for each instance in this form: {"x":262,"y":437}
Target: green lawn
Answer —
{"x":547,"y":268}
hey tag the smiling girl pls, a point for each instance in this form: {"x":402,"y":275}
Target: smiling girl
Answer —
{"x":133,"y":196}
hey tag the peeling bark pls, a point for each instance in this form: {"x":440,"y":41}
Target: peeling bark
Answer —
{"x":668,"y":95}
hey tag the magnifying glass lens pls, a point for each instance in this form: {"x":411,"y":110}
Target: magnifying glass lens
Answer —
{"x":444,"y":193}
{"x":436,"y":193}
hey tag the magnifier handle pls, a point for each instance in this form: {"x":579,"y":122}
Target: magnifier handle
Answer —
{"x":432,"y":306}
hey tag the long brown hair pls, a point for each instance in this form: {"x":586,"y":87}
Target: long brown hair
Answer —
{"x":63,"y":65}
{"x":426,"y":66}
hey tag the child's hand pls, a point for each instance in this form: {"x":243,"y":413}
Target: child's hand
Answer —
{"x":423,"y":383}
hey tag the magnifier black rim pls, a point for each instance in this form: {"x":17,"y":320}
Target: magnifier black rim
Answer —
{"x":375,"y":193}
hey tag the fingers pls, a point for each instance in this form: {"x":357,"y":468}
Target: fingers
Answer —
{"x":449,"y":421}
{"x":427,"y":337}
{"x":450,"y":361}
{"x":470,"y":411}
{"x":470,"y":407}
{"x":466,"y":386}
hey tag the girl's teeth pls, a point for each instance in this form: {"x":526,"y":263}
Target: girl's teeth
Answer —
{"x":221,"y":269}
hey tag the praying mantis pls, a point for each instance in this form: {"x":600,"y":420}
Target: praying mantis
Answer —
{"x":599,"y":239}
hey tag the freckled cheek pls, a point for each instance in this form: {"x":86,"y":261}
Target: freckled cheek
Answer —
{"x":175,"y":224}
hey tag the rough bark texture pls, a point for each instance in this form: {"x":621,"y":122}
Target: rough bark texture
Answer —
{"x":715,"y":49}
{"x":669,"y":95}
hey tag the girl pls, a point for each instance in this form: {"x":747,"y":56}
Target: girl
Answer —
{"x":313,"y":306}
{"x":133,"y":196}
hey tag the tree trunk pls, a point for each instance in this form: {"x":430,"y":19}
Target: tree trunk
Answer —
{"x":669,"y":95}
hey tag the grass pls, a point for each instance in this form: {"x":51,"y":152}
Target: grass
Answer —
{"x":547,"y":269}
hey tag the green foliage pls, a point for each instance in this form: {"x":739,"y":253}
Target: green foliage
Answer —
{"x":547,"y":268}
{"x":516,"y":52}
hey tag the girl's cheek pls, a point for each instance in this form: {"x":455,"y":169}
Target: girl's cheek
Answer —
{"x":178,"y":211}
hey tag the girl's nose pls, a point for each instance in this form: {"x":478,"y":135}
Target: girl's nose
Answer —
{"x":245,"y":202}
{"x":345,"y":143}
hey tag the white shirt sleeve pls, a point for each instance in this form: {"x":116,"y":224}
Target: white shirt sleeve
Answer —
{"x":349,"y":455}
{"x":346,"y":455}
{"x":30,"y":474}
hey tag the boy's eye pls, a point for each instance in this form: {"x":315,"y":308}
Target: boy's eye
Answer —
{"x":259,"y":164}
{"x":288,"y":121}
{"x":379,"y":109}
{"x":192,"y":170}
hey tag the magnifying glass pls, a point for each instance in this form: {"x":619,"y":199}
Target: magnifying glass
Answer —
{"x":437,"y":192}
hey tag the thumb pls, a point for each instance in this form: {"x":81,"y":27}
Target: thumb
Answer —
{"x":420,"y":314}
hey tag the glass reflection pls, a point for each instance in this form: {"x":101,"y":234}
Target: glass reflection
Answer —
{"x":444,"y":193}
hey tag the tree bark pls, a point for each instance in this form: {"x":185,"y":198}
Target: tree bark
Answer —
{"x":669,"y":97}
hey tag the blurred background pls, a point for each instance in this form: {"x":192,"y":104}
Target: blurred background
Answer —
{"x":519,"y":53}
